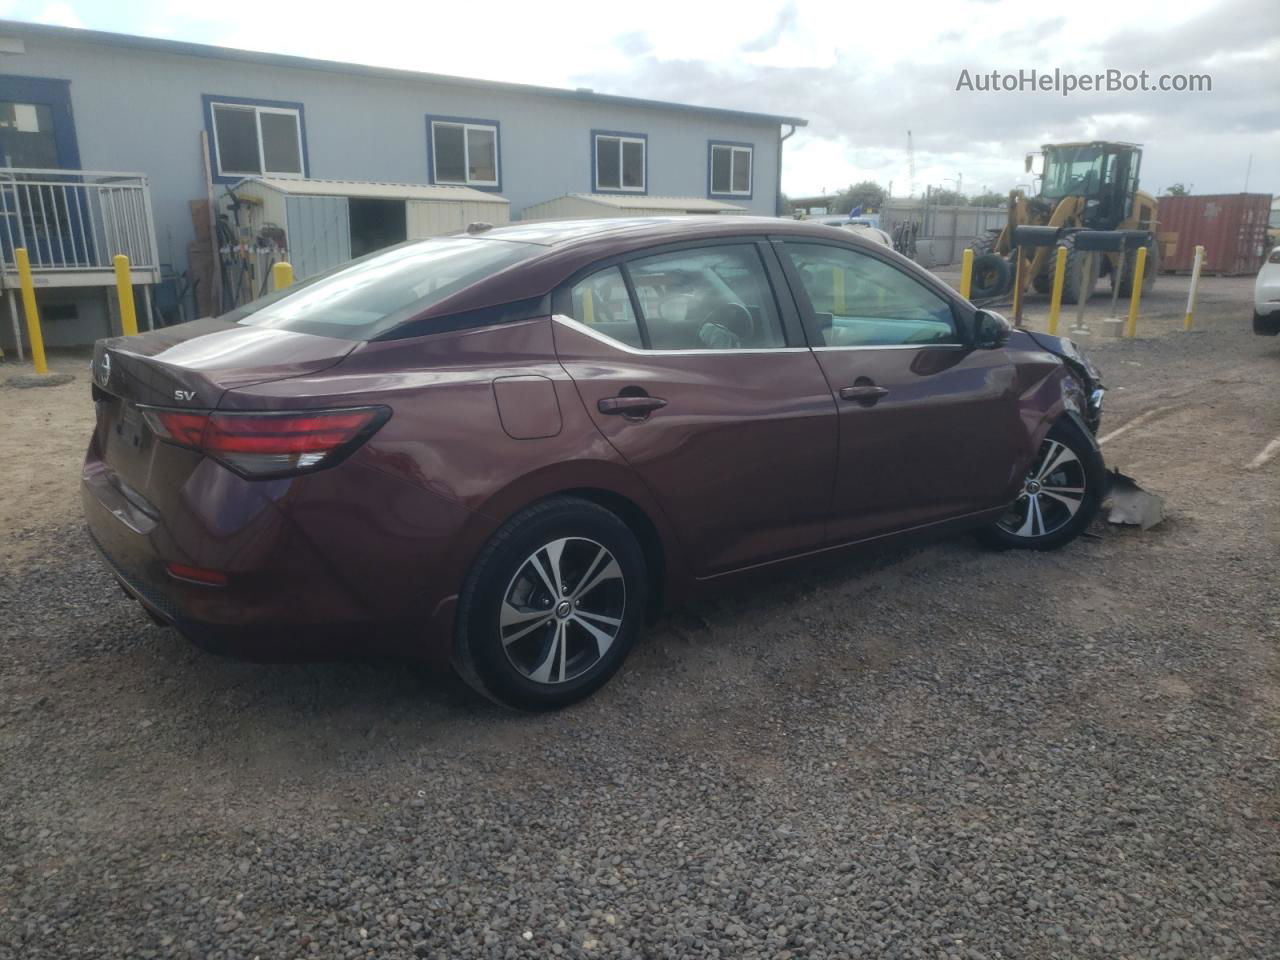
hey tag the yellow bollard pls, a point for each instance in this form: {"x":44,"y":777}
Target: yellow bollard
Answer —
{"x":966,"y":273}
{"x":29,"y":308}
{"x":837,"y":291}
{"x":1139,"y":268}
{"x":282,"y":275}
{"x":1017,"y":288}
{"x":124,"y":291}
{"x":1059,"y":278}
{"x":1195,"y":287}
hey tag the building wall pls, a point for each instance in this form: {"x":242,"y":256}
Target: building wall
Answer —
{"x":141,"y":110}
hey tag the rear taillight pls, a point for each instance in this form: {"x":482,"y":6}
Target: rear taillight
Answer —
{"x":259,"y":445}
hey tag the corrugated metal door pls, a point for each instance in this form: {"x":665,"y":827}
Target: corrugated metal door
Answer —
{"x":319,"y":234}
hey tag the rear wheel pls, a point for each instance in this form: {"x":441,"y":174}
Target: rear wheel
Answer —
{"x":552,"y":606}
{"x":1060,"y":494}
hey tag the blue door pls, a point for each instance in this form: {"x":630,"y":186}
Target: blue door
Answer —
{"x":36,"y":127}
{"x":50,"y":215}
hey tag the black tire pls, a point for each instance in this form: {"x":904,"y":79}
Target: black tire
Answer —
{"x":1268,"y":326}
{"x":1149,"y":271}
{"x":1017,"y":529}
{"x":1075,"y":284}
{"x":495,"y":658}
{"x":984,"y":244}
{"x":992,"y":276}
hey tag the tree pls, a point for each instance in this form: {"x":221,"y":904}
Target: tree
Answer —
{"x":989,"y":199}
{"x":784,"y":205}
{"x":1177,"y":190}
{"x":868,"y":194}
{"x":947,"y":198}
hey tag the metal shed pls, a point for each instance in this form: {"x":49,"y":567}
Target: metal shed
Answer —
{"x":322,"y":223}
{"x":573,"y":206}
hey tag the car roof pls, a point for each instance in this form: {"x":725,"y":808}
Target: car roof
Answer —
{"x":572,"y":245}
{"x":641,"y":230}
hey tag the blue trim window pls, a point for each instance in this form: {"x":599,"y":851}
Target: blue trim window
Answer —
{"x":464,"y":151}
{"x":255,"y":138}
{"x":730,"y":169}
{"x":619,"y":162}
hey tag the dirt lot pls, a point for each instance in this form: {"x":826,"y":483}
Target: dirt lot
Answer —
{"x":936,"y":753}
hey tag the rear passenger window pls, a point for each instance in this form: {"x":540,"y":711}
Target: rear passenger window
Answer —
{"x":859,"y":301}
{"x":709,"y":298}
{"x":601,"y":302}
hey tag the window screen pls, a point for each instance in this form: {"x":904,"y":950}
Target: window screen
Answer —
{"x":281,"y":152}
{"x":236,"y":129}
{"x":633,"y":164}
{"x":482,"y":155}
{"x":608,"y":163}
{"x":450,"y":152}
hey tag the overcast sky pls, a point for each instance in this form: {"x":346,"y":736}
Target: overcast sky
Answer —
{"x":861,"y":73}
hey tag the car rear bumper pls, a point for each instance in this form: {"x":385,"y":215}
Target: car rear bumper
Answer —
{"x":290,"y":593}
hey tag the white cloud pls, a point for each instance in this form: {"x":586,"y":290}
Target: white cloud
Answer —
{"x":861,"y":73}
{"x":59,"y":15}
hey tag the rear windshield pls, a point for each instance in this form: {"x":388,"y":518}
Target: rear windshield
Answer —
{"x":365,"y":298}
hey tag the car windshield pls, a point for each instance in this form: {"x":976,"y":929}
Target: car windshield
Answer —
{"x":1072,"y":171}
{"x":364,"y":298}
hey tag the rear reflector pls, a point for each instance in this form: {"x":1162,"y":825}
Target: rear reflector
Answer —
{"x":210,"y":578}
{"x":259,"y":445}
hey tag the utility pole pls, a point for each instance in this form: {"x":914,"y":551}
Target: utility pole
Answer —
{"x":1247,"y":171}
{"x":911,"y":167}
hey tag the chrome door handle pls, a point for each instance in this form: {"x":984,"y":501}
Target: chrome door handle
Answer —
{"x":864,"y":393}
{"x":630,"y":406}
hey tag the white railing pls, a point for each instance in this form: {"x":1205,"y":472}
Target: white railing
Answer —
{"x":76,"y":220}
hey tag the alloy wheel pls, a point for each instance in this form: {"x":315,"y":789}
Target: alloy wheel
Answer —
{"x":562,"y":610}
{"x":1051,"y":495}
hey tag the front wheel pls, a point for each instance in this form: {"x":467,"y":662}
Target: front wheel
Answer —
{"x":1060,"y":494}
{"x":552,"y":606}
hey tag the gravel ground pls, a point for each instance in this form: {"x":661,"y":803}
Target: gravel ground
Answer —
{"x":940,"y":752}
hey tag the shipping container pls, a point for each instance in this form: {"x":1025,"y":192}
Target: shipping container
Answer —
{"x":1232,"y":227}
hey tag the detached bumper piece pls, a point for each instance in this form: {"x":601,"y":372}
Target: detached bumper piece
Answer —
{"x":1129,"y":505}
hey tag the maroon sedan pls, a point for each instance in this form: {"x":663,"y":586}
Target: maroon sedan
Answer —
{"x":502,"y":449}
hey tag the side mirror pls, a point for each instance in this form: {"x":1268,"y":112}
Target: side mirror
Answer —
{"x":1028,"y":164}
{"x":990,"y":330}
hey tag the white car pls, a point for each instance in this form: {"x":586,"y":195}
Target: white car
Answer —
{"x":1266,"y":297}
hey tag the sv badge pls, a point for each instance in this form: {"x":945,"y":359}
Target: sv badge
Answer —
{"x":185,"y":395}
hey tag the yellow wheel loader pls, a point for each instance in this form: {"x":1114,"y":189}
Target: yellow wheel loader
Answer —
{"x":1083,"y":186}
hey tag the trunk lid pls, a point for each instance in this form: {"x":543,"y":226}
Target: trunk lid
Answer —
{"x":191,"y":365}
{"x":194,"y":364}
